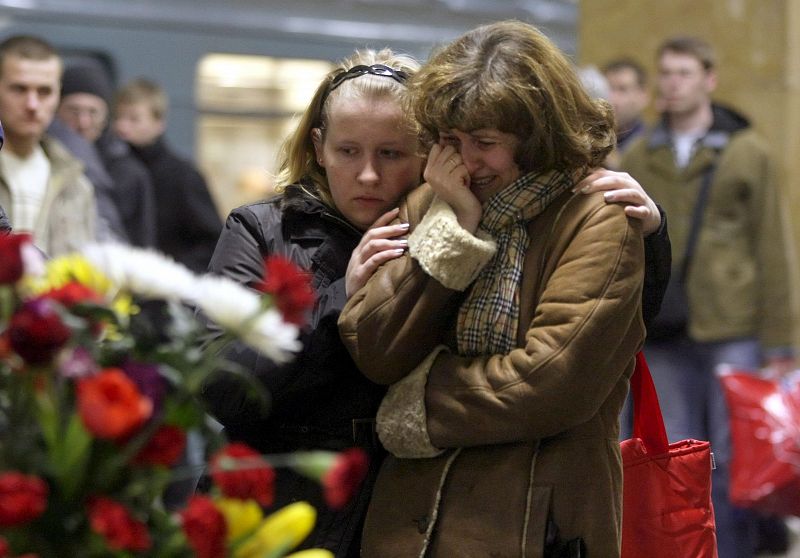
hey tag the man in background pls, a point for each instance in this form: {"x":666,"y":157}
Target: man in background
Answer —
{"x":86,"y":94}
{"x":187,"y":222}
{"x":729,"y":299}
{"x":42,"y":186}
{"x":628,"y":95}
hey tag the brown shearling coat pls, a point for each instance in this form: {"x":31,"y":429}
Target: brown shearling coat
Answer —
{"x":526,"y":435}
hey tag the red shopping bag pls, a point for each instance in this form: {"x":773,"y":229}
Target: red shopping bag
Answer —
{"x":667,"y":511}
{"x":765,"y":433}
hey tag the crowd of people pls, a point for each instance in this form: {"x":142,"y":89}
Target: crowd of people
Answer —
{"x":83,"y":162}
{"x":488,"y":256}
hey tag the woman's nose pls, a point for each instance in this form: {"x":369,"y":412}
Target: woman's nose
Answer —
{"x":471,"y":157}
{"x":369,"y":172}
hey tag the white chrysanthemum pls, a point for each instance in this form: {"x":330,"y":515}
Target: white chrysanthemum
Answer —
{"x":143,"y":272}
{"x":238,"y":309}
{"x":273,"y":337}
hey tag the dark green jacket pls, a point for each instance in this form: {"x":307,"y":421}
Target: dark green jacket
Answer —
{"x":738,"y":280}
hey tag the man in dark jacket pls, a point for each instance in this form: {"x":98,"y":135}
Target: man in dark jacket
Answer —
{"x":187,"y":221}
{"x":85,"y":102}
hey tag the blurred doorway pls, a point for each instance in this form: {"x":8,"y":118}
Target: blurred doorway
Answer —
{"x":247,"y":105}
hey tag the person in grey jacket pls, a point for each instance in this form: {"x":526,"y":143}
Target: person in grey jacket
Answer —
{"x":121,"y":181}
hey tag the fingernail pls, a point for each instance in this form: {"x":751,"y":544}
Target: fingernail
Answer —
{"x":585,"y":190}
{"x":608,"y":196}
{"x":403,"y":225}
{"x":400,"y":251}
{"x":403,"y":242}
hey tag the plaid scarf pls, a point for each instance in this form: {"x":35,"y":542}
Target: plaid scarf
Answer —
{"x":489,"y":317}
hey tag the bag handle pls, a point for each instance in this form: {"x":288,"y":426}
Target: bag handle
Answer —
{"x":648,"y":424}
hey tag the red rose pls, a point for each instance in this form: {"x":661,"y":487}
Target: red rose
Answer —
{"x":289,"y":286}
{"x":164,"y":448}
{"x":23,"y":498}
{"x":344,"y":478}
{"x":117,"y":526}
{"x":12,"y":267}
{"x":241,"y":472}
{"x":204,"y":526}
{"x":73,"y":293}
{"x":111,"y":406}
{"x":36,"y":331}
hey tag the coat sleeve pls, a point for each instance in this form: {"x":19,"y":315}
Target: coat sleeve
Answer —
{"x":586,"y":330}
{"x":239,"y":255}
{"x":657,"y":269}
{"x":200,"y":221}
{"x":400,"y":315}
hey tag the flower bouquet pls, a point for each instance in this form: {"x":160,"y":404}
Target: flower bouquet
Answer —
{"x":101,"y":362}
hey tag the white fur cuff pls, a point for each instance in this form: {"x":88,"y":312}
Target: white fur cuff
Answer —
{"x":402,"y":422}
{"x":447,"y":252}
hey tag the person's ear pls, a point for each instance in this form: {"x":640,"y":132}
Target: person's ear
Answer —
{"x":711,"y":81}
{"x":316,"y":139}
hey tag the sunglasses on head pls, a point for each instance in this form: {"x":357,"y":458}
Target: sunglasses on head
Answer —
{"x":375,"y":70}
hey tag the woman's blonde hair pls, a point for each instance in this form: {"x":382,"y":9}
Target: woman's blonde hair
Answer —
{"x":298,"y":157}
{"x":510,"y":77}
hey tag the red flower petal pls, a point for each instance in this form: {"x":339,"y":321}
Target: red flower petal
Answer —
{"x":290,"y":286}
{"x":11,"y":255}
{"x":23,"y":498}
{"x":345,"y":477}
{"x":118,"y":527}
{"x":111,"y":406}
{"x":241,"y":472}
{"x":164,"y":448}
{"x":36,"y":331}
{"x":204,"y":526}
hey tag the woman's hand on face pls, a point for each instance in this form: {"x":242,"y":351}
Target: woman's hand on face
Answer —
{"x":620,"y":187}
{"x":448,"y":176}
{"x":380,"y":243}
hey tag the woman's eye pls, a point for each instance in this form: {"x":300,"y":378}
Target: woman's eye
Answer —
{"x":344,"y":150}
{"x":391,"y":153}
{"x":485,"y":144}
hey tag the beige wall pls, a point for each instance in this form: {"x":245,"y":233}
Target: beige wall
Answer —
{"x":758,"y":48}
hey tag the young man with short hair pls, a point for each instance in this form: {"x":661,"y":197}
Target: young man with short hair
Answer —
{"x":628,"y":95}
{"x":187,"y":222}
{"x":42,"y":186}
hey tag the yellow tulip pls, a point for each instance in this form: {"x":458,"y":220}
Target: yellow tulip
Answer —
{"x":280,"y":531}
{"x":241,"y":516}
{"x":312,"y":553}
{"x":63,"y":270}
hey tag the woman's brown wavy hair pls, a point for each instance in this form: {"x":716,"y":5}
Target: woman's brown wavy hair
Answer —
{"x":509,"y":76}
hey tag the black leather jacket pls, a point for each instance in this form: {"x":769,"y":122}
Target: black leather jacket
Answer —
{"x":316,"y":397}
{"x":319,"y":400}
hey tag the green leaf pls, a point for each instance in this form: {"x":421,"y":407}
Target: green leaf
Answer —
{"x":75,"y":449}
{"x":47,"y":415}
